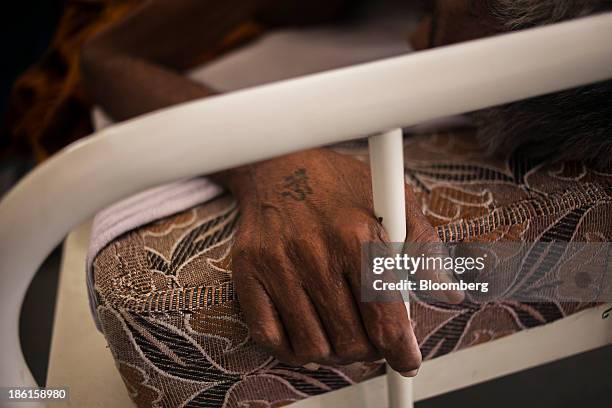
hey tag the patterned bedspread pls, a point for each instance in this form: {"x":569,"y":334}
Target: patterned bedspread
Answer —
{"x":168,"y":310}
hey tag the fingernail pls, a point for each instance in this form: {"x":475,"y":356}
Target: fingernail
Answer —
{"x":311,"y":366}
{"x":412,"y":373}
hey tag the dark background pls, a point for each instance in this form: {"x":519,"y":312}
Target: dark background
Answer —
{"x":580,"y":381}
{"x":27,"y":29}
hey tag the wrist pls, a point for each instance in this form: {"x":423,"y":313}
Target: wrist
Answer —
{"x":236,"y":180}
{"x":247,"y":180}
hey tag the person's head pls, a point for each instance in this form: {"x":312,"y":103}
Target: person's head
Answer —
{"x":452,"y":21}
{"x":574,"y":124}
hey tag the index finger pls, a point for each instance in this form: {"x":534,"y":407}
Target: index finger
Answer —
{"x":389,"y":329}
{"x":387,"y":324}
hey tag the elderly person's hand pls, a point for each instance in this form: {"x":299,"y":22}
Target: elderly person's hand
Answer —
{"x":297,"y":256}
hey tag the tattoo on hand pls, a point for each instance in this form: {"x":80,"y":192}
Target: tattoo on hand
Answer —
{"x":296,"y":185}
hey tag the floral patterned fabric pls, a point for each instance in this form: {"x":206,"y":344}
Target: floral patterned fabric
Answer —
{"x":168,"y":310}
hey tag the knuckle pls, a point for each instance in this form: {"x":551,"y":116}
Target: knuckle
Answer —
{"x":267,"y":339}
{"x":387,"y":337}
{"x":359,"y":230}
{"x":363,"y":231}
{"x":397,"y":344}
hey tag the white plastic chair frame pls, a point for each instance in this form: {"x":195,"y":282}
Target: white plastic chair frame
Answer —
{"x":202,"y":137}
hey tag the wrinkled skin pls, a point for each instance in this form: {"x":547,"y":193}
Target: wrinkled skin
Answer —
{"x":297,"y":253}
{"x":296,"y":261}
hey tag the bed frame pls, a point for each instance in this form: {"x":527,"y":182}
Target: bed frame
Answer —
{"x":292,"y":115}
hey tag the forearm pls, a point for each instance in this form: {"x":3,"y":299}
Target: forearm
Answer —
{"x":126,"y":86}
{"x":135,"y":66}
{"x":281,"y":174}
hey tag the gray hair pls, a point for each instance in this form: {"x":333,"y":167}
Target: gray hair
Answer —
{"x":570,"y":125}
{"x":519,"y":14}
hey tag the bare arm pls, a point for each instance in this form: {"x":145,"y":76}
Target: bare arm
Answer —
{"x":134,"y":67}
{"x":302,"y":311}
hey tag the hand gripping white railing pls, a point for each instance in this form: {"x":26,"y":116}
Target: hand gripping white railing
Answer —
{"x":388,"y":183}
{"x":208,"y":135}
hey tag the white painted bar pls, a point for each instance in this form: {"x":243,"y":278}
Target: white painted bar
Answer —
{"x":389,"y":197}
{"x":387,"y":168}
{"x":213,"y":134}
{"x":574,"y":334}
{"x":79,"y":360}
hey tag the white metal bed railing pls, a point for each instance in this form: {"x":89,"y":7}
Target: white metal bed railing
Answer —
{"x":201,"y":137}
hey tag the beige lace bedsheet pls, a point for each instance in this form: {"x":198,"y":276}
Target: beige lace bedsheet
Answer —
{"x":174,"y":325}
